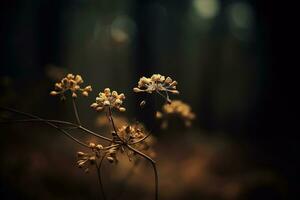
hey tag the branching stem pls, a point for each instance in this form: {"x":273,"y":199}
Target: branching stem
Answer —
{"x":113,"y":124}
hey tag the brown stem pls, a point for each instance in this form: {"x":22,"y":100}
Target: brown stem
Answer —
{"x":95,"y":134}
{"x":47,"y":122}
{"x":61,"y":122}
{"x":98,"y":167}
{"x":113,"y":124}
{"x":141,"y":139}
{"x":123,"y":181}
{"x":38,"y":119}
{"x":76,"y":111}
{"x":153,"y":166}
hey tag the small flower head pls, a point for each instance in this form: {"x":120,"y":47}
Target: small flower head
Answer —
{"x":157,"y":83}
{"x":109,"y":99}
{"x":85,"y":160}
{"x":136,"y":136}
{"x":178,"y":108}
{"x":71,"y":83}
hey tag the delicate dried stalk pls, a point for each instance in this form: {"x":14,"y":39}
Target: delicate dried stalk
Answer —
{"x":47,"y":122}
{"x":153,"y":163}
{"x":76,"y":111}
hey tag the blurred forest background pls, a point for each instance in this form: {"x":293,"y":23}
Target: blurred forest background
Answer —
{"x":220,"y":51}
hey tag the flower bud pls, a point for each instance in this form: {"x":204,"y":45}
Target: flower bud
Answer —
{"x":53,"y":93}
{"x":122,"y":109}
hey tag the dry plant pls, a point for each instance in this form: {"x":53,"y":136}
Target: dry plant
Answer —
{"x":131,"y":139}
{"x":176,"y":108}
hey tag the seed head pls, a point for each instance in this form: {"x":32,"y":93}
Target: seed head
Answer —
{"x":70,"y":83}
{"x":109,"y":99}
{"x":157,"y":83}
{"x":179,"y":108}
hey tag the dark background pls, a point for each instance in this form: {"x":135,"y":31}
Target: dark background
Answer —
{"x":226,"y":58}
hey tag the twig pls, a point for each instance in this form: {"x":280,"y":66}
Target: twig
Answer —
{"x":129,"y":174}
{"x":95,"y":134}
{"x":38,"y":119}
{"x":113,"y":124}
{"x":76,"y":110}
{"x":153,"y":166}
{"x":47,"y":122}
{"x":99,"y":177}
{"x":141,"y":139}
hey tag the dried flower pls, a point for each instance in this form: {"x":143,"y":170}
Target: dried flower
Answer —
{"x":136,"y":136}
{"x":178,"y":108}
{"x":85,"y":160}
{"x":70,"y":83}
{"x":157,"y":83}
{"x":109,"y":99}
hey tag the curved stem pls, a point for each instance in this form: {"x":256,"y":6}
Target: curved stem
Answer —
{"x":141,"y":139}
{"x":153,"y":166}
{"x":113,"y":124}
{"x":100,"y":179}
{"x":165,"y":97}
{"x":47,"y":122}
{"x":76,"y":111}
{"x":95,"y":134}
{"x":61,"y":122}
{"x":123,"y":181}
{"x":38,"y":119}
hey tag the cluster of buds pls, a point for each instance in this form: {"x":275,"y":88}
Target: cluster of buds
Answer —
{"x":85,"y":160}
{"x":178,"y":108}
{"x":157,"y":83}
{"x":70,"y":83}
{"x":109,"y":99}
{"x":111,"y":154}
{"x":134,"y":135}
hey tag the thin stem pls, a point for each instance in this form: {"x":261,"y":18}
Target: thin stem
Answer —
{"x":123,"y":181}
{"x":47,"y":122}
{"x":38,"y":119}
{"x":153,"y":166}
{"x":76,"y":111}
{"x":95,"y":134}
{"x":141,"y":139}
{"x":113,"y":124}
{"x":166,"y":98}
{"x":61,"y":122}
{"x":111,"y":146}
{"x":98,"y":167}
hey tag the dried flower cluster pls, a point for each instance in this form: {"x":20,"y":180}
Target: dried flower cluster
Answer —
{"x":133,"y":135}
{"x":137,"y":136}
{"x":71,"y":83}
{"x":109,"y":99}
{"x":178,"y":108}
{"x":157,"y":83}
{"x":85,"y":160}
